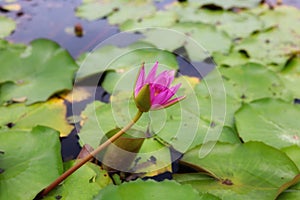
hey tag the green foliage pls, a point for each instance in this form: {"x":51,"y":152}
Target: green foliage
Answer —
{"x":83,"y":184}
{"x":22,"y":117}
{"x":7,"y":26}
{"x":232,"y":176}
{"x":237,"y":126}
{"x":30,"y":161}
{"x":36,"y":72}
{"x":149,"y":190}
{"x":271,"y":126}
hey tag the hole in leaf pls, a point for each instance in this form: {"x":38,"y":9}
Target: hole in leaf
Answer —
{"x":10,"y":125}
{"x":296,"y":101}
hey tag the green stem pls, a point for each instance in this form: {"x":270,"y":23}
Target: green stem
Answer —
{"x":91,"y":155}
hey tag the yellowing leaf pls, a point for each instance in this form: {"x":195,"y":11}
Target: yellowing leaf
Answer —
{"x":51,"y":113}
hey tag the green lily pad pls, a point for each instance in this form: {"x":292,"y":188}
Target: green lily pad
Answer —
{"x":116,"y":11}
{"x":237,"y":25}
{"x":149,"y":190}
{"x":7,"y":26}
{"x":234,"y":177}
{"x":203,"y":36}
{"x":31,"y":161}
{"x":86,"y":182}
{"x":138,"y":10}
{"x":51,"y":113}
{"x":228,"y":4}
{"x":234,"y":59}
{"x":293,"y":152}
{"x":283,"y":17}
{"x":276,"y":46}
{"x":123,"y":59}
{"x":271,"y":121}
{"x":254,"y":81}
{"x":159,"y":19}
{"x":199,"y":39}
{"x":35,"y":73}
{"x":290,"y":194}
{"x":92,"y":10}
{"x":237,"y":85}
{"x":291,"y":76}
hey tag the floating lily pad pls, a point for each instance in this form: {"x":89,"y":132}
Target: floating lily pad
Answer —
{"x":123,"y":59}
{"x":234,"y":177}
{"x":203,"y":36}
{"x":293,"y":152}
{"x":7,"y":26}
{"x":283,"y":17}
{"x":239,"y":84}
{"x":254,"y":81}
{"x":149,"y":190}
{"x":232,"y":59}
{"x":35,"y":73}
{"x":228,"y":4}
{"x":160,"y":19}
{"x":138,"y":10}
{"x":275,"y":47}
{"x":290,"y":194}
{"x":86,"y":182}
{"x":291,"y":76}
{"x":51,"y":113}
{"x":240,"y":24}
{"x":31,"y":161}
{"x":92,"y":10}
{"x":271,"y":121}
{"x":116,"y":11}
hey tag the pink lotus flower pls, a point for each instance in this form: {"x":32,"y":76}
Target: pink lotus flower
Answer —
{"x":153,"y":93}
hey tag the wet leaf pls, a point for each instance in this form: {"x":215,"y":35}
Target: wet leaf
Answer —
{"x":35,"y":72}
{"x":86,"y":182}
{"x":21,"y":117}
{"x":149,"y":190}
{"x":7,"y":26}
{"x":32,"y":160}
{"x":271,"y":121}
{"x":234,"y":177}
